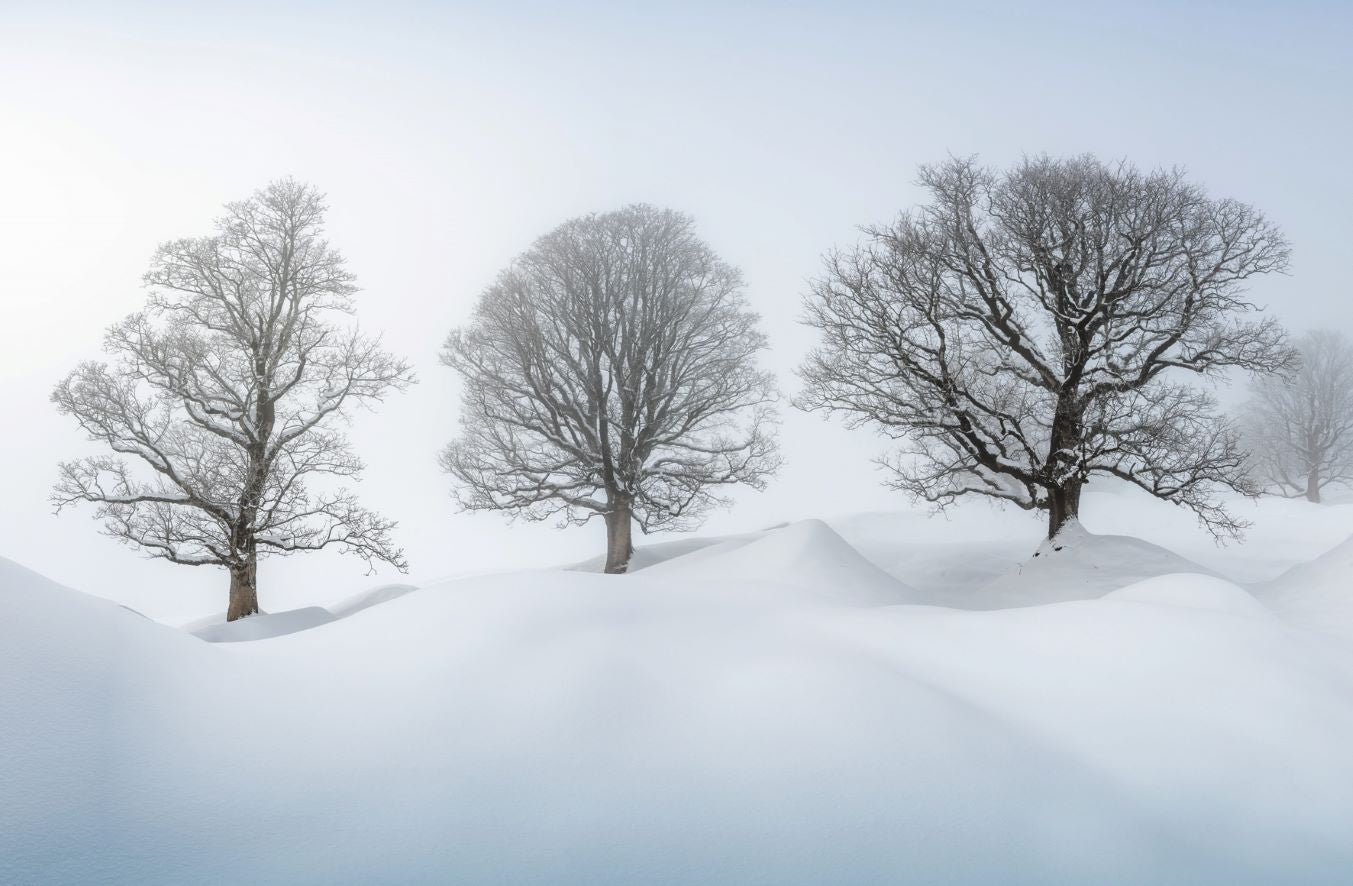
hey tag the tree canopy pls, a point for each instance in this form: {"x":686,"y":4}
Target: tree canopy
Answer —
{"x":610,"y":371}
{"x":1026,"y":330}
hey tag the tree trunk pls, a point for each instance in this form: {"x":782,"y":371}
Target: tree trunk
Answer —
{"x":1313,"y":485}
{"x":243,"y":590}
{"x":1063,"y":505}
{"x":619,"y":544}
{"x":1065,"y":479}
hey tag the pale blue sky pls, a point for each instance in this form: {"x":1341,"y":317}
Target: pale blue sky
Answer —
{"x":449,"y":136}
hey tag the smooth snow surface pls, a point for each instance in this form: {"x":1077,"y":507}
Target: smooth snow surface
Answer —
{"x":1316,"y":595}
{"x":261,"y":626}
{"x":216,"y":629}
{"x":807,"y":558}
{"x":765,"y":709}
{"x":1077,"y":565}
{"x":1192,"y":592}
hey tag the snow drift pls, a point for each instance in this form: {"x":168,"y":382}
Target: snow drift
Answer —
{"x":733,"y":718}
{"x":1316,"y":595}
{"x":807,"y":558}
{"x":1079,"y":565}
{"x":264,"y":625}
{"x":1192,"y":591}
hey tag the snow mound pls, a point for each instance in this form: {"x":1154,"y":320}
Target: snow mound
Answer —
{"x":1079,"y":565}
{"x":366,"y":599}
{"x":262,"y":626}
{"x":948,"y":562}
{"x":266,"y":625}
{"x":88,"y":690}
{"x":1191,"y":591}
{"x":1318,"y":594}
{"x":807,"y":556}
{"x":645,"y":556}
{"x":50,"y":622}
{"x":17,"y":580}
{"x":555,"y":727}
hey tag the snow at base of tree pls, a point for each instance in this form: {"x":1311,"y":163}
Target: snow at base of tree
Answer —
{"x":216,"y":629}
{"x":1077,"y":565}
{"x":770,"y":708}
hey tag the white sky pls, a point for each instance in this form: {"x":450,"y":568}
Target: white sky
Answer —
{"x":448,"y":138}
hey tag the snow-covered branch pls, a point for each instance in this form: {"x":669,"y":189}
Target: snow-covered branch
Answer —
{"x":223,"y":391}
{"x":1020,"y":331}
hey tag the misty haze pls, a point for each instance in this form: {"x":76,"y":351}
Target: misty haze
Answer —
{"x":727,"y":444}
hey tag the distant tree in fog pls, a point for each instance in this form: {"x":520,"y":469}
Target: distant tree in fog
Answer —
{"x":1300,"y":426}
{"x":1025,"y":330}
{"x":611,"y":371}
{"x":221,"y":401}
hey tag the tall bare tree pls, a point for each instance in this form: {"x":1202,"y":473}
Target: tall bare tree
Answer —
{"x":1300,"y":426}
{"x":610,"y":371}
{"x":1024,"y":331}
{"x":221,"y":401}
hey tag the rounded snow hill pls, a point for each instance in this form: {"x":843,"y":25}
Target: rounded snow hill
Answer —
{"x":1079,"y":565}
{"x":1318,"y":594}
{"x":554,"y":727}
{"x":1192,"y":591}
{"x":47,"y":622}
{"x":86,"y":691}
{"x":807,"y":556}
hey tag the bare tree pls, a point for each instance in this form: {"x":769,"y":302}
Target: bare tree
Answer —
{"x":610,"y":371}
{"x":1300,"y":426}
{"x":221,"y":400}
{"x":1022,"y":333}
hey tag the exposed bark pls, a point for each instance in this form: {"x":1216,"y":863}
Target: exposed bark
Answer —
{"x":1064,"y":505}
{"x":619,"y":537}
{"x":1313,"y":485}
{"x":1063,"y":484}
{"x":243,"y":591}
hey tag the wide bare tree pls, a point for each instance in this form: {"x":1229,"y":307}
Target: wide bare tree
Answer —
{"x":610,"y":371}
{"x":1026,"y":330}
{"x":1299,"y":426}
{"x":221,"y":402}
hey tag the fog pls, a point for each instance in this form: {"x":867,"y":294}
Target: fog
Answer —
{"x":447,"y":139}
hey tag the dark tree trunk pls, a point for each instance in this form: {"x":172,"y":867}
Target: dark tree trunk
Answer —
{"x":244,"y":578}
{"x":619,"y":543}
{"x":1064,"y":501}
{"x":243,"y":590}
{"x":1313,"y":485}
{"x":1063,"y":505}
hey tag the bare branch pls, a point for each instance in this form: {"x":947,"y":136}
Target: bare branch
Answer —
{"x":220,"y":396}
{"x":612,"y":367}
{"x":1018,"y":333}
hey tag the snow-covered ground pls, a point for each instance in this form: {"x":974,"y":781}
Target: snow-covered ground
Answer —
{"x":883,"y":698}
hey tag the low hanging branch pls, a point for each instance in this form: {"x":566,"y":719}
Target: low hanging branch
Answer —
{"x":221,"y":396}
{"x":1024,"y":331}
{"x":610,"y":371}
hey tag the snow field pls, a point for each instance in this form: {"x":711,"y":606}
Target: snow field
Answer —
{"x":774,"y":708}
